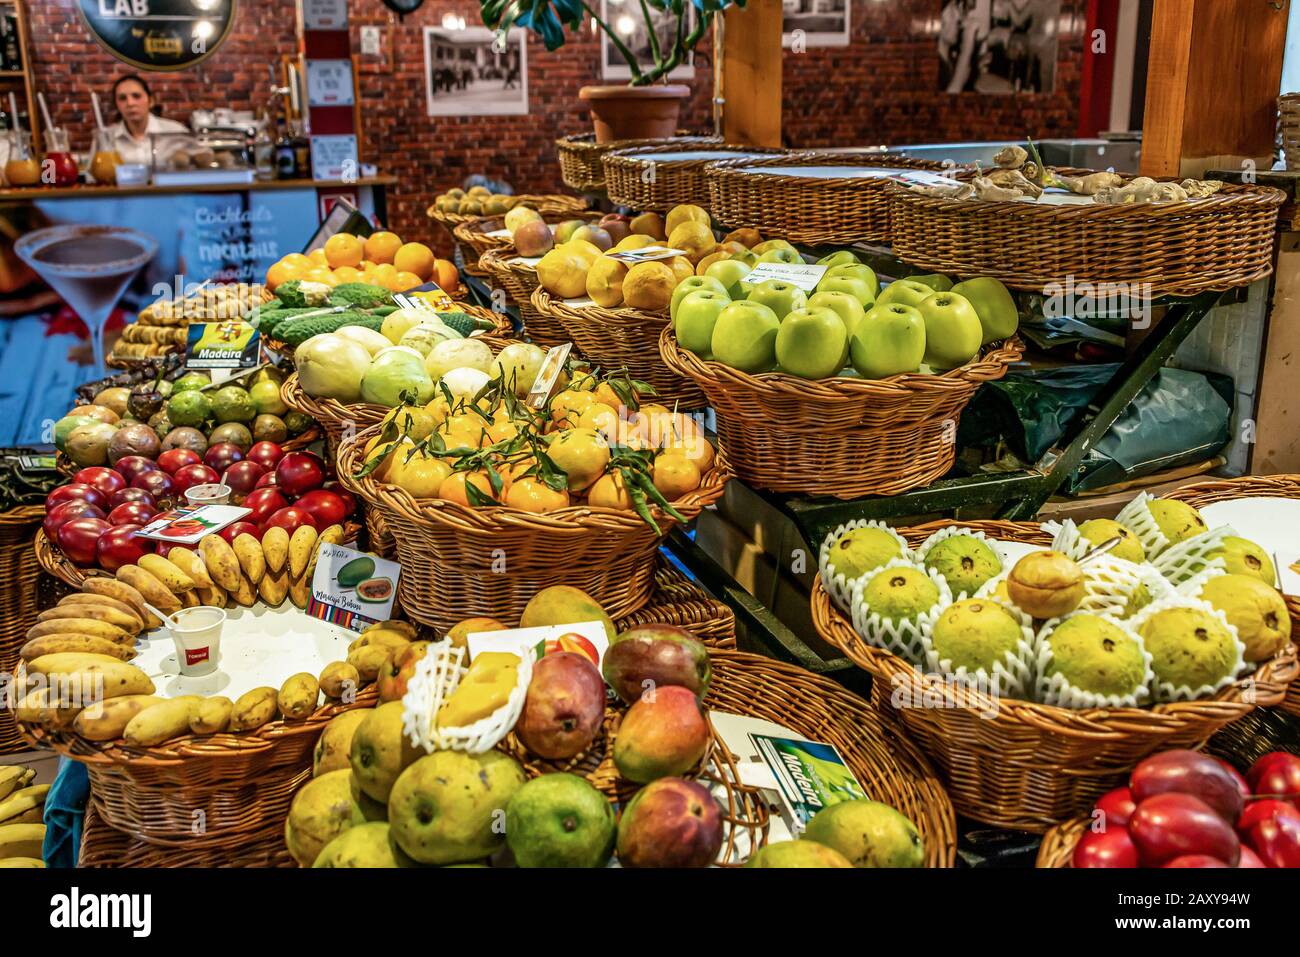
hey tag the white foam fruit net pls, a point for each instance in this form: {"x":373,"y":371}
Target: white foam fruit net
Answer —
{"x":903,"y":637}
{"x":436,"y":676}
{"x":1059,"y":691}
{"x":954,"y":531}
{"x":1113,"y":586}
{"x":1011,"y":676}
{"x":1165,"y":691}
{"x":1179,"y":563}
{"x":1137,"y":518}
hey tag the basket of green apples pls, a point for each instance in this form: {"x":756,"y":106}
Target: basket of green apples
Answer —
{"x":848,"y":390}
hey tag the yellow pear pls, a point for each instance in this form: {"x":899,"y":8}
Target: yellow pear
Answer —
{"x":563,"y":271}
{"x":649,"y":286}
{"x":605,"y":282}
{"x":693,"y":238}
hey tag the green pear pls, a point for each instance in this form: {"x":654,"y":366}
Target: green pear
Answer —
{"x":696,"y":316}
{"x":729,"y":272}
{"x":888,"y":340}
{"x":856,"y":271}
{"x":744,"y":337}
{"x":952,"y":330}
{"x":782,"y":298}
{"x":936,"y":281}
{"x":845,"y":306}
{"x":811,"y":343}
{"x":693,"y":284}
{"x":844,"y":257}
{"x":993,"y":304}
{"x":905,"y":292}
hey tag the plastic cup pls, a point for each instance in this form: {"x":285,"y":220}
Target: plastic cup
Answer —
{"x":198,"y":639}
{"x":211,"y":494}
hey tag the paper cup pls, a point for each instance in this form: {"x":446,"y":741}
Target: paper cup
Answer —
{"x":213,"y":494}
{"x":198,"y":639}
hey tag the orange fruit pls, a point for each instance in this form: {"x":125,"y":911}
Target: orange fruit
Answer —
{"x":415,"y":258}
{"x":567,"y":406}
{"x":298,"y":261}
{"x":534,"y":495}
{"x":582,"y":454}
{"x":404,"y":281}
{"x":514,"y":471}
{"x":695,"y":448}
{"x":344,"y":249}
{"x":601,"y":418}
{"x":348,"y":274}
{"x":605,"y":393}
{"x":452,"y":488}
{"x":674,"y":475}
{"x":317,"y":257}
{"x":381,"y":247}
{"x":283,"y":272}
{"x":609,"y":492}
{"x":446,"y":275}
{"x":320,"y":274}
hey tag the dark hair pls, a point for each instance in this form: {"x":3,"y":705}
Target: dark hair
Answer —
{"x":127,"y":78}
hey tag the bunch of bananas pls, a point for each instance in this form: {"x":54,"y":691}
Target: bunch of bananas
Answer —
{"x":22,"y":806}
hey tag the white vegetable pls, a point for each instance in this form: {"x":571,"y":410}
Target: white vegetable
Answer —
{"x":465,"y":382}
{"x":331,"y":367}
{"x":455,"y":353}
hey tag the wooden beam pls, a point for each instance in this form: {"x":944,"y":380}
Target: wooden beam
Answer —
{"x":749,"y":73}
{"x":1212,"y":85}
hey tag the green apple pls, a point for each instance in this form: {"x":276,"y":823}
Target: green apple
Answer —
{"x":890,"y":339}
{"x":845,"y":257}
{"x":849,"y":285}
{"x":748,"y":257}
{"x":846,"y":306}
{"x":857,"y":271}
{"x":781,"y":297}
{"x":729,"y":272}
{"x":768,"y":244}
{"x":565,"y":230}
{"x":906,"y":292}
{"x":693,"y":284}
{"x":744,"y":337}
{"x":935,"y":280}
{"x":811,"y":343}
{"x":952,"y":330}
{"x":695,"y":317}
{"x":781,"y":256}
{"x":993,"y":304}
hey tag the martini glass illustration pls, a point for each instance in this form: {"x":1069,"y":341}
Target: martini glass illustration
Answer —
{"x":89,"y":267}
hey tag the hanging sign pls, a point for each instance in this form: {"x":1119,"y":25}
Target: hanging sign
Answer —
{"x":159,"y":35}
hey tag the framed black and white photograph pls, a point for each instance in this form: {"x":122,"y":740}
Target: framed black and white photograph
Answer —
{"x":468,"y":72}
{"x":815,"y":23}
{"x":625,"y":18}
{"x":998,"y":46}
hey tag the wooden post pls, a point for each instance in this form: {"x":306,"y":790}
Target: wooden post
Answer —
{"x":748,"y":73}
{"x":1212,"y":85}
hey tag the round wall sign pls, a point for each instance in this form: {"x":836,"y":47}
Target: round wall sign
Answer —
{"x":403,"y":7}
{"x":159,"y":34}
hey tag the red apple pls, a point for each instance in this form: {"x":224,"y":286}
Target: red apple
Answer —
{"x":290,"y":519}
{"x":157,"y":483}
{"x":299,"y":473}
{"x":264,"y":502}
{"x":77,"y":491}
{"x":1276,"y":775}
{"x":242,"y":476}
{"x":1195,"y":860}
{"x":66,"y":512}
{"x":129,"y":494}
{"x":327,"y":508}
{"x":189,"y":476}
{"x":105,"y":479}
{"x":222,"y":455}
{"x":1188,"y":772}
{"x":1276,"y":841}
{"x":266,"y":480}
{"x":132,"y":465}
{"x":1265,"y":810}
{"x":1116,"y":807}
{"x":77,"y":538}
{"x":265,"y":454}
{"x":1109,"y":848}
{"x":349,"y":500}
{"x":1170,"y":825}
{"x":174,"y":460}
{"x":1249,"y":859}
{"x":120,"y":546}
{"x":232,"y":532}
{"x":132,"y":513}
{"x":1242,"y":785}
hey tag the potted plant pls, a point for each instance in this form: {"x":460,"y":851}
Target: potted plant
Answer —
{"x":648,"y":106}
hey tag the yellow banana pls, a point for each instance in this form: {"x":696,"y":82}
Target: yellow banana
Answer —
{"x":25,"y":807}
{"x":21,"y":840}
{"x":148,"y":585}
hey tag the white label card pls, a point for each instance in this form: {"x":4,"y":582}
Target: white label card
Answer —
{"x":587,"y":638}
{"x":804,"y":275}
{"x":333,"y":157}
{"x":329,"y":82}
{"x":325,"y":14}
{"x":645,"y":254}
{"x":353,"y":583}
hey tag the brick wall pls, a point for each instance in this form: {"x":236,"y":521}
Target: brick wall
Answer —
{"x":881,"y":88}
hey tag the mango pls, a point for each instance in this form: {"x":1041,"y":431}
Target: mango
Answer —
{"x":662,"y":735}
{"x":364,"y":845}
{"x":486,"y":686}
{"x":380,"y":751}
{"x":560,"y":820}
{"x":398,"y":670}
{"x":797,"y":854}
{"x":447,"y":807}
{"x":652,"y":656}
{"x":565,"y":605}
{"x":868,"y":833}
{"x":462,"y":629}
{"x":564,"y":708}
{"x":334,"y":745}
{"x":671,"y":822}
{"x":321,"y":810}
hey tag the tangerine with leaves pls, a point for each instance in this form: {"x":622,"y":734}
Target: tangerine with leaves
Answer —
{"x":534,"y":495}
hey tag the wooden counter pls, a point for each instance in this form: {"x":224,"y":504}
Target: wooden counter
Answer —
{"x":34,"y":193}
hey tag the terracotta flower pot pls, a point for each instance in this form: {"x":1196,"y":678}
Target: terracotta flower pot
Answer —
{"x":634,"y":112}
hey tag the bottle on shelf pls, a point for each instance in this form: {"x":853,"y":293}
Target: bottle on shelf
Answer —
{"x":264,"y":150}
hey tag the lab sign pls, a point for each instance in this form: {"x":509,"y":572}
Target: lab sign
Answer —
{"x":159,"y":35}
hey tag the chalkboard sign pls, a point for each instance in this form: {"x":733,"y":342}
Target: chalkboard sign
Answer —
{"x":159,"y":35}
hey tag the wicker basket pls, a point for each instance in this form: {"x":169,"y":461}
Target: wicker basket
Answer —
{"x":580,"y":156}
{"x":1179,"y":249}
{"x":198,"y":793}
{"x":1288,"y":105}
{"x":1032,"y":765}
{"x":19,"y":571}
{"x":104,"y":846}
{"x":459,"y":562}
{"x":824,"y":209}
{"x":543,"y":203}
{"x":678,"y":602}
{"x":622,"y":338}
{"x":842,"y":436}
{"x":637,"y":178}
{"x":475,"y":239}
{"x":518,"y":280}
{"x":1200,"y":494}
{"x":1057,"y":848}
{"x":338,"y":420}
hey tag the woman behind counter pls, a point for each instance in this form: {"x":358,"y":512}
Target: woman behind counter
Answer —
{"x":130,"y":136}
